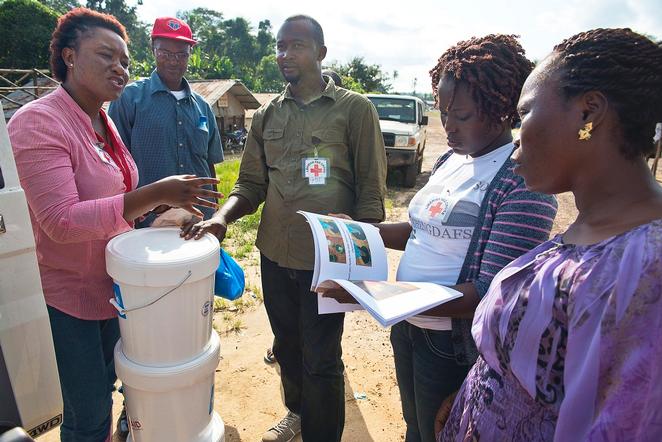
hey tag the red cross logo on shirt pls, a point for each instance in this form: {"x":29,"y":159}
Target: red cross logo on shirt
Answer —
{"x":436,"y":208}
{"x":316,"y":170}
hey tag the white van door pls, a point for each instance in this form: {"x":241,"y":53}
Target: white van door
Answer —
{"x":29,"y":381}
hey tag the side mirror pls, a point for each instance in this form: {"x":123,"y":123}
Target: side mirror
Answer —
{"x":424,"y":120}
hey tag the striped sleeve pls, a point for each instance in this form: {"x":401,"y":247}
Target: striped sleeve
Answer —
{"x":522,"y":220}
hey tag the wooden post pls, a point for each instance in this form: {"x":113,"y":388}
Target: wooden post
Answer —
{"x":35,"y":81}
{"x":15,"y":87}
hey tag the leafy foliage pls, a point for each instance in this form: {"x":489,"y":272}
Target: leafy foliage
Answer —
{"x":267,"y":75}
{"x":227,"y":47}
{"x":24,"y":46}
{"x":362,"y":77}
{"x":60,"y":6}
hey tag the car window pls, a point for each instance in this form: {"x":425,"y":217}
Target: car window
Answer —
{"x":395,"y":109}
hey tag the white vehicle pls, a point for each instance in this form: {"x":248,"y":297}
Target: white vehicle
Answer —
{"x":30,"y":395}
{"x":403,"y":125}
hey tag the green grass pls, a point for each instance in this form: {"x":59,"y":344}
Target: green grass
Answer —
{"x":241,"y":235}
{"x":227,"y":172}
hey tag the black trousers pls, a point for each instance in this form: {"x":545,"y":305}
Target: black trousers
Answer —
{"x":308,"y":349}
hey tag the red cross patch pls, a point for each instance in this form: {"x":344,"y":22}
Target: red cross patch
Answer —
{"x":436,"y":207}
{"x":316,"y":170}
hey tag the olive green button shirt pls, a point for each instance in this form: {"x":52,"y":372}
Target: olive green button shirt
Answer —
{"x":344,"y":127}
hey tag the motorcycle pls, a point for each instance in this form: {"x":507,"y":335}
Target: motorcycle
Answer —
{"x":234,"y":140}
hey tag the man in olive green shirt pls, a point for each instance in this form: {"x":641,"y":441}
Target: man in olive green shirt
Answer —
{"x":318,"y":148}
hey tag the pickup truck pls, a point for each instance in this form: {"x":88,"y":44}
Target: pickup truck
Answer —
{"x":403,"y":127}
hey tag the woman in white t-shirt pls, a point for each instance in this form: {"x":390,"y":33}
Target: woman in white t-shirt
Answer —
{"x":472,"y":218}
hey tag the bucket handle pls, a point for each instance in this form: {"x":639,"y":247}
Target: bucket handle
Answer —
{"x":123,"y":310}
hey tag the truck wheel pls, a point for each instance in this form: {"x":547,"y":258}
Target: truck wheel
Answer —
{"x":411,"y":172}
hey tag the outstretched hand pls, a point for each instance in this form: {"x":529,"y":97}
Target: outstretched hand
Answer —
{"x":186,"y":191}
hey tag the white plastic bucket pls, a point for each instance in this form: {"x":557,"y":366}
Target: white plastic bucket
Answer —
{"x":172,"y":403}
{"x":164,"y":292}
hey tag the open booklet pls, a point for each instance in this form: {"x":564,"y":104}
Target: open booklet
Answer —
{"x":352,"y":255}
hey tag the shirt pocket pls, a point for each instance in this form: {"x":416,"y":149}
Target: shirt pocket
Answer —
{"x":273,"y":145}
{"x":200,"y":139}
{"x":331,"y":144}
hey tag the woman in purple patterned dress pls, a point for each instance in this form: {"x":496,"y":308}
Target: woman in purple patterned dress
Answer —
{"x":570,"y":334}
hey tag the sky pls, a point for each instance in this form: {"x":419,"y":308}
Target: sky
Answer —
{"x":408,"y":37}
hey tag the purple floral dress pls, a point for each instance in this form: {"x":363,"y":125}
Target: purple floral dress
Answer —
{"x":570,"y":341}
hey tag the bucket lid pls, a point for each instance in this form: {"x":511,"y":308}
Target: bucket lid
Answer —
{"x":159,"y":257}
{"x":160,"y":379}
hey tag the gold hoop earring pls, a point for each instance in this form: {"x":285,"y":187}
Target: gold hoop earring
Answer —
{"x":585,"y":132}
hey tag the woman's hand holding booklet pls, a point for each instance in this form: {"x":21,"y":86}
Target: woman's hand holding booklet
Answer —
{"x":351,"y":268}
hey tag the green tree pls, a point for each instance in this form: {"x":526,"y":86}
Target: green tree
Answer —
{"x":267,"y":75}
{"x":60,"y":6}
{"x":230,"y":48}
{"x":207,"y":27}
{"x":239,"y":44}
{"x":351,"y":84}
{"x":266,"y":43}
{"x":369,"y":77}
{"x":204,"y":65}
{"x":25,"y":33}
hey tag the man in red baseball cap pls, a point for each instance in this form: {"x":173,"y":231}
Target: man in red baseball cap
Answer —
{"x":169,"y":129}
{"x":172,"y":41}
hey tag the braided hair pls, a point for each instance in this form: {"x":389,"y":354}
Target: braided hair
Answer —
{"x":627,"y":68}
{"x":493,"y":67}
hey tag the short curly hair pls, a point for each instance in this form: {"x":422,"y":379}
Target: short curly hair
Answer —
{"x":627,"y":68}
{"x":69,"y":29}
{"x":493,"y":67}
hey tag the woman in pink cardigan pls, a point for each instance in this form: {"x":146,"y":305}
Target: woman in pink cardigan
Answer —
{"x":80,"y":183}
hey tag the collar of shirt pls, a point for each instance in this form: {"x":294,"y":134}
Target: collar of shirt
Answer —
{"x":156,"y":85}
{"x":67,"y":100}
{"x":329,"y":92}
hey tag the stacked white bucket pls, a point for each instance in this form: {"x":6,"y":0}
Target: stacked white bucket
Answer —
{"x":168,"y":352}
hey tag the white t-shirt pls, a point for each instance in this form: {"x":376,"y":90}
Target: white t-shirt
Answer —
{"x":443,"y":215}
{"x":179,"y":94}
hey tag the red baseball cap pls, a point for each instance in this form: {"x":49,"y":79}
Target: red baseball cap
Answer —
{"x":172,"y":28}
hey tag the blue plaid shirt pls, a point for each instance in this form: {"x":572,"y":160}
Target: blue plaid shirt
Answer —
{"x":167,"y":136}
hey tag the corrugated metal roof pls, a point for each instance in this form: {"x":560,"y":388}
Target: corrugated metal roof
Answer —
{"x":263,"y":99}
{"x":213,"y":90}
